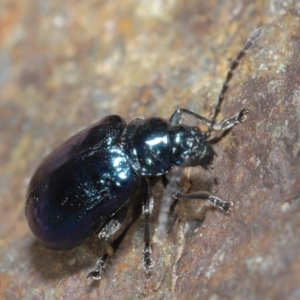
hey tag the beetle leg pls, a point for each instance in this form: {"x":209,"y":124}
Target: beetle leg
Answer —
{"x":147,"y":209}
{"x":109,"y":232}
{"x":172,"y":192}
{"x":226,"y":124}
{"x":202,"y":195}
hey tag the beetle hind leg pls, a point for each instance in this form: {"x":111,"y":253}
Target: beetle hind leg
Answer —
{"x":110,"y":232}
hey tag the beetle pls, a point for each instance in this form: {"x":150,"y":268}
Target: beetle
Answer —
{"x":98,"y":180}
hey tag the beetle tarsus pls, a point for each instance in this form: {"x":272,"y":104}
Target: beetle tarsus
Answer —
{"x":234,"y":120}
{"x":101,"y":263}
{"x":147,"y":209}
{"x":147,"y":260}
{"x":222,"y":205}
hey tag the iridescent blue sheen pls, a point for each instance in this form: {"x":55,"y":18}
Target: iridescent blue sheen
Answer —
{"x":79,"y":185}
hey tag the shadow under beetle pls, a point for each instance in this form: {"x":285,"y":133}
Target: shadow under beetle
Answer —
{"x":96,"y":179}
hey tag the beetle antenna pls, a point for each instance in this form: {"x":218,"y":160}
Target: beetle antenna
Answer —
{"x":233,"y":66}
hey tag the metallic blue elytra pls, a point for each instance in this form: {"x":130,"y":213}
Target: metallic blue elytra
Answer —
{"x":79,"y":185}
{"x":101,"y":178}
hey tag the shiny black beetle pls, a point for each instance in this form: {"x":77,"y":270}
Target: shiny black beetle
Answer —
{"x":97,"y":180}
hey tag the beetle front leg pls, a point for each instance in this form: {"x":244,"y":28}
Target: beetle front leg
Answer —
{"x":226,"y":124}
{"x":109,"y":232}
{"x":147,"y":209}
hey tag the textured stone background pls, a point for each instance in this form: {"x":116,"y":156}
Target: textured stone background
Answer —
{"x":66,"y":64}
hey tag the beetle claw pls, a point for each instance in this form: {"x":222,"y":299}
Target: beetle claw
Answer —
{"x":96,"y":274}
{"x":243,"y":115}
